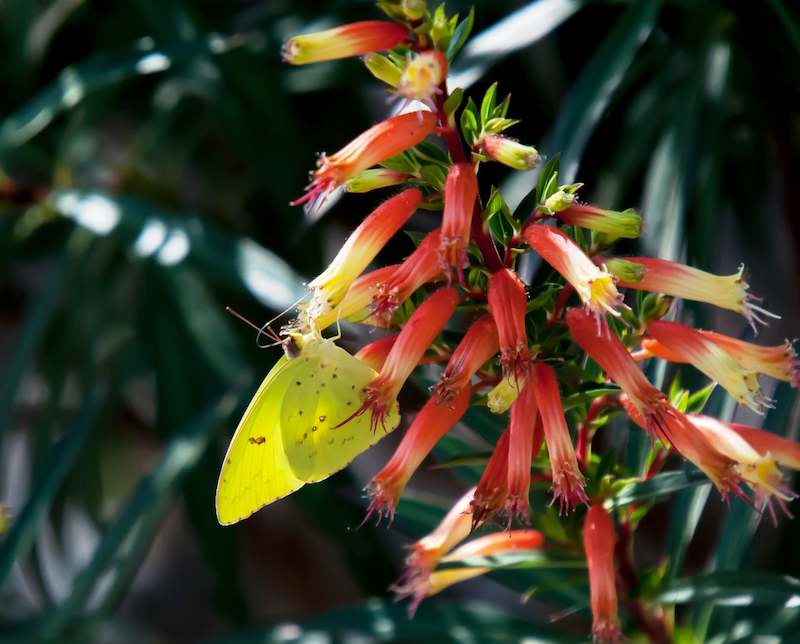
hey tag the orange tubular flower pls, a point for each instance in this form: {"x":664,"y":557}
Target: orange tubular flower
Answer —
{"x":460,"y":193}
{"x":507,"y":303}
{"x":688,"y":441}
{"x":486,"y":546}
{"x":568,"y":481}
{"x":377,"y":144}
{"x":713,"y":361}
{"x":418,"y":333}
{"x":359,"y":250}
{"x":428,"y":551}
{"x":421,"y":267}
{"x":422,"y":76}
{"x":595,"y":286}
{"x":612,"y":356}
{"x":677,"y":280}
{"x":375,"y":353}
{"x":355,"y":304}
{"x":492,"y":491}
{"x":760,"y":472}
{"x":619,"y":224}
{"x":346,"y":41}
{"x":784,"y":451}
{"x":478,"y":345}
{"x":599,"y":538}
{"x":520,"y":445}
{"x":428,"y":427}
{"x":779,"y":362}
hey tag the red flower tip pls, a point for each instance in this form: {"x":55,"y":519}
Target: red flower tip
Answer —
{"x":380,"y":396}
{"x":507,"y":303}
{"x":460,"y":193}
{"x":377,"y":144}
{"x":478,"y":345}
{"x":599,"y":539}
{"x":421,"y":267}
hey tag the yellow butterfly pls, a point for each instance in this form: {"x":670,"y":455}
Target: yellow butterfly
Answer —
{"x":286,"y":438}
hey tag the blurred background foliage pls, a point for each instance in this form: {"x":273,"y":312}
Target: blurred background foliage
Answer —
{"x":148,"y":151}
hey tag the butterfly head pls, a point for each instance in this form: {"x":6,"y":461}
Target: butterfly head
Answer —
{"x":293,"y":345}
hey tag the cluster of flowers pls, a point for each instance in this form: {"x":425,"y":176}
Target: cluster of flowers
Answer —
{"x":459,"y":263}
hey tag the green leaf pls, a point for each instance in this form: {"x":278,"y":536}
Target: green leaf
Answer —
{"x":453,"y":101}
{"x":733,"y":588}
{"x":587,"y":392}
{"x":488,"y":104}
{"x":460,"y":35}
{"x":590,"y":95}
{"x":433,"y":153}
{"x":465,"y":459}
{"x":659,"y":486}
{"x":534,"y":197}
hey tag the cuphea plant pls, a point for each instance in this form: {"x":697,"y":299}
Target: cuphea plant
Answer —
{"x":560,"y":354}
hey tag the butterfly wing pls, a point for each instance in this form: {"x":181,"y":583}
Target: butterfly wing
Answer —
{"x":324,"y":392}
{"x":255,"y":471}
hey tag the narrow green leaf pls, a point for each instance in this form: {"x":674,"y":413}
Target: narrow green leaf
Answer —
{"x":659,"y":486}
{"x":460,"y":34}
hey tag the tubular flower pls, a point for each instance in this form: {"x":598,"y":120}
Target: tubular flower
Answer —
{"x":599,"y":538}
{"x":424,"y":325}
{"x":460,"y":193}
{"x":760,"y":472}
{"x":595,"y":286}
{"x":520,"y":445}
{"x":422,"y":266}
{"x":779,"y":361}
{"x":784,"y":451}
{"x":486,"y":546}
{"x":492,"y":491}
{"x":428,"y":551}
{"x":507,"y":303}
{"x":422,"y":76}
{"x":689,"y":442}
{"x":510,"y":152}
{"x":375,"y":353}
{"x":625,"y":224}
{"x":621,"y":367}
{"x":359,"y":250}
{"x":343,"y":42}
{"x":568,"y":481}
{"x":370,"y":180}
{"x":478,"y":346}
{"x":712,"y":360}
{"x":677,"y":280}
{"x":377,"y":144}
{"x":428,"y":427}
{"x":355,"y":304}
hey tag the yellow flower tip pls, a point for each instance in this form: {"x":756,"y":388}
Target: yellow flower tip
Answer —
{"x":343,"y":42}
{"x":422,"y":76}
{"x":504,"y":394}
{"x":603,"y":294}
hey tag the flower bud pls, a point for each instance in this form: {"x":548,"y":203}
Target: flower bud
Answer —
{"x":559,"y":201}
{"x":428,"y":427}
{"x":599,"y":539}
{"x":343,"y":42}
{"x":460,"y":193}
{"x":377,"y":144}
{"x":422,"y":76}
{"x":625,"y":270}
{"x":380,"y":396}
{"x":596,"y":287}
{"x":370,"y":180}
{"x":713,"y":361}
{"x":625,"y":224}
{"x":677,"y":280}
{"x":507,"y":303}
{"x":413,"y":9}
{"x":383,"y":69}
{"x":478,"y":346}
{"x":510,"y":152}
{"x":568,"y":481}
{"x":359,"y":250}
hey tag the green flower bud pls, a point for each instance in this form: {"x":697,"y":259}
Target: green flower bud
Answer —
{"x":383,"y":69}
{"x":413,"y":9}
{"x":559,"y":201}
{"x":510,"y":152}
{"x":625,"y":270}
{"x":369,"y":180}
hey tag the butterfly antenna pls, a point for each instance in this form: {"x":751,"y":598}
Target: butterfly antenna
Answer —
{"x":264,"y":330}
{"x":285,"y":311}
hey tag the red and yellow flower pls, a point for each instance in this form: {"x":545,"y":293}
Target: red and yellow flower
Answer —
{"x":377,"y":144}
{"x":460,"y":193}
{"x":507,"y":303}
{"x":346,"y":41}
{"x":599,"y":539}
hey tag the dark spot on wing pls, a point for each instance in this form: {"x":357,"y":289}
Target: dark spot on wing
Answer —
{"x":299,"y":412}
{"x":256,"y":441}
{"x":313,"y":428}
{"x":322,"y":419}
{"x":297,"y":383}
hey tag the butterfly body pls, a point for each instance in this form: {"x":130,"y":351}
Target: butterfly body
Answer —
{"x":286,"y":437}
